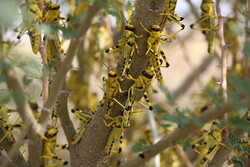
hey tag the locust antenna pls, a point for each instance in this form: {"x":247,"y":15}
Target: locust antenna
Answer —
{"x":124,"y":17}
{"x":106,"y":66}
{"x":101,"y":88}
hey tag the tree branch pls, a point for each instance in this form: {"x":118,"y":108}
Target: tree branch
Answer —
{"x":223,"y":52}
{"x":20,"y":100}
{"x":66,"y":122}
{"x":155,"y":136}
{"x":247,"y":41}
{"x":180,"y":133}
{"x":94,"y":141}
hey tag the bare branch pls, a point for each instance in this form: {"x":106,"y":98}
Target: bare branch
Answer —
{"x":223,"y":52}
{"x":183,"y":156}
{"x":155,"y":136}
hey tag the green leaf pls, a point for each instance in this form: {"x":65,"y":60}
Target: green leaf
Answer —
{"x":114,"y":12}
{"x":69,"y":32}
{"x":185,"y":143}
{"x":158,"y":109}
{"x":27,"y":80}
{"x":4,"y":64}
{"x":141,"y":145}
{"x":221,"y":125}
{"x":104,"y":3}
{"x":148,"y":148}
{"x":2,"y":78}
{"x":240,"y":85}
{"x":8,"y":13}
{"x":179,"y":117}
{"x":167,"y":94}
{"x":130,"y":6}
{"x":214,"y":95}
{"x":137,"y":147}
{"x":246,"y":50}
{"x":242,"y":12}
{"x":235,"y":143}
{"x":235,"y":28}
{"x":233,"y":139}
{"x":237,"y":161}
{"x":49,"y":67}
{"x":4,"y":96}
{"x":167,"y":127}
{"x":143,"y":141}
{"x":239,"y":122}
{"x":49,"y":29}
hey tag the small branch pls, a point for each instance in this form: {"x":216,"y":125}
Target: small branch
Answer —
{"x":223,"y":52}
{"x":247,"y":41}
{"x":180,"y":133}
{"x":183,"y":156}
{"x":43,"y":53}
{"x":154,"y":135}
{"x":66,"y":122}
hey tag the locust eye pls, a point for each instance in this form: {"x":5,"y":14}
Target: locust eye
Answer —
{"x":112,"y":74}
{"x":156,"y":29}
{"x":147,"y":75}
{"x":54,"y":7}
{"x":130,"y":28}
{"x":215,"y":123}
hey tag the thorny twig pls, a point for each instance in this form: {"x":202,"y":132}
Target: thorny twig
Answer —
{"x":223,"y":52}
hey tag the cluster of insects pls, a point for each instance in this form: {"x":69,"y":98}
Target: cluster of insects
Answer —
{"x":212,"y":143}
{"x":128,"y":48}
{"x":32,"y":16}
{"x":36,"y":13}
{"x":49,"y":140}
